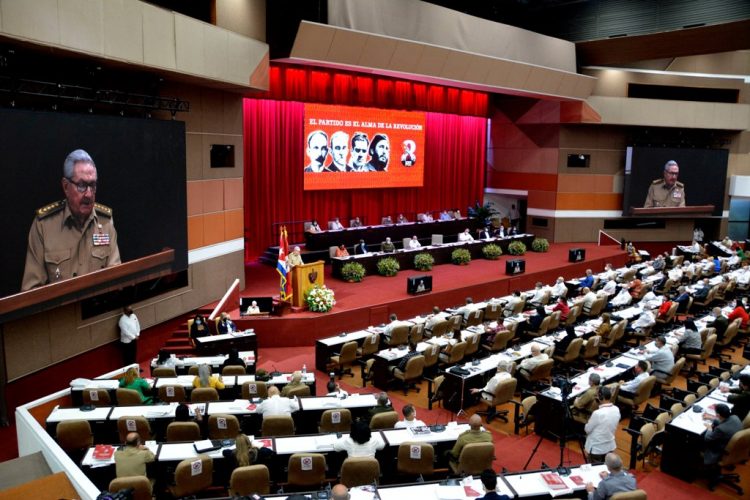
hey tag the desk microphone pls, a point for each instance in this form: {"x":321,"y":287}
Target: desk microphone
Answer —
{"x":275,"y":372}
{"x":438,"y":427}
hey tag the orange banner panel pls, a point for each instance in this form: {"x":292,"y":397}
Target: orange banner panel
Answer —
{"x":350,"y":147}
{"x":589,"y":201}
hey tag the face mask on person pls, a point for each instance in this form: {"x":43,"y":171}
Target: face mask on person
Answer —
{"x":198,"y":322}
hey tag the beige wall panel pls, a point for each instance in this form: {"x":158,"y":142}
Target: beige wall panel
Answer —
{"x":194,"y":118}
{"x":194,"y":156}
{"x":212,"y":109}
{"x":405,"y":55}
{"x":347,"y":47}
{"x":36,"y":20}
{"x":740,"y":119}
{"x":168,"y":308}
{"x":67,"y":339}
{"x":146,"y":314}
{"x":233,"y":193}
{"x":431,"y":61}
{"x":730,"y":63}
{"x":568,"y":230}
{"x":377,"y":52}
{"x":233,"y":118}
{"x":246,"y":17}
{"x":219,"y":173}
{"x":81,"y":25}
{"x":739,"y":164}
{"x":313,"y":41}
{"x":498,"y":72}
{"x":601,"y":162}
{"x":243,"y":56}
{"x":567,"y":84}
{"x":610,"y":82}
{"x":214,"y":51}
{"x":123,"y":30}
{"x":27,"y":345}
{"x":158,"y":37}
{"x":190,"y":45}
{"x":478,"y":68}
{"x":106,"y":330}
{"x":517,"y":76}
{"x":456,"y":66}
{"x":235,"y":263}
{"x":740,"y":143}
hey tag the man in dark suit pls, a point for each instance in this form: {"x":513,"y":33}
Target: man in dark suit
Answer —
{"x":721,"y":322}
{"x":718,"y":433}
{"x":360,"y":248}
{"x":739,"y":397}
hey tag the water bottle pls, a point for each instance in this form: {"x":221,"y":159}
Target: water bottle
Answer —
{"x":304,"y":369}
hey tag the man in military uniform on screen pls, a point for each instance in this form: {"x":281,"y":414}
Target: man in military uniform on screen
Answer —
{"x":74,"y":236}
{"x":666,"y":192}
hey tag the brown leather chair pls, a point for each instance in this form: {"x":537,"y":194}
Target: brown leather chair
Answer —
{"x":277,"y":425}
{"x":310,"y":475}
{"x":413,"y":371}
{"x":367,"y":373}
{"x":140,"y":485}
{"x":503,"y":394}
{"x":416,"y":333}
{"x":541,"y":372}
{"x":190,"y":478}
{"x":736,"y":452}
{"x":136,"y":423}
{"x":474,"y":459}
{"x":345,"y":358}
{"x":230,"y":370}
{"x":399,"y":336}
{"x":223,"y":426}
{"x":475,"y":318}
{"x":172,"y":394}
{"x":573,"y":314}
{"x":456,"y":354}
{"x":338,"y":420}
{"x":590,"y":350}
{"x":571,"y":353}
{"x":500,"y":342}
{"x":370,"y":346}
{"x":434,"y":394}
{"x":183,"y":431}
{"x":203,"y":394}
{"x":74,"y":437}
{"x":493,"y":312}
{"x":163,"y":372}
{"x":385,"y":420}
{"x":708,"y":348}
{"x":441,"y":328}
{"x":254,"y":389}
{"x":248,"y":480}
{"x":630,"y":495}
{"x":193,"y":370}
{"x":419,"y":462}
{"x":128,"y":397}
{"x":301,"y":391}
{"x":472,"y":345}
{"x":554,"y":321}
{"x":96,"y":397}
{"x":359,"y":471}
{"x":641,"y":395}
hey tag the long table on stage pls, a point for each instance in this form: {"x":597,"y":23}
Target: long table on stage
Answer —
{"x":441,"y":253}
{"x":221,"y":344}
{"x":377,"y":234}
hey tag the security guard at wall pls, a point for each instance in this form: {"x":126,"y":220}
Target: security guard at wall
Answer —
{"x":73,"y":236}
{"x":666,"y":192}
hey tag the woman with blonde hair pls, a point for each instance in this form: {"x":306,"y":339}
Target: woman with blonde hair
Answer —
{"x":205,"y":379}
{"x":132,"y":380}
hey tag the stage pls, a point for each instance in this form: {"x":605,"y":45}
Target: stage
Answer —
{"x":371,"y":301}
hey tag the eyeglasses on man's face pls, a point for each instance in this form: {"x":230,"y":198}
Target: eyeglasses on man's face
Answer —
{"x":81,"y":186}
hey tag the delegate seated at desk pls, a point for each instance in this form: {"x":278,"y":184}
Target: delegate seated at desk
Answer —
{"x":383,"y":406}
{"x":205,"y":379}
{"x":475,"y":434}
{"x":131,"y":460}
{"x":341,"y":251}
{"x":662,"y":360}
{"x":614,"y":481}
{"x":739,"y":397}
{"x":199,"y":328}
{"x":360,"y":442}
{"x":226,"y":325}
{"x":410,"y":418}
{"x":361,"y":248}
{"x":276,"y":405}
{"x":293,"y":384}
{"x":387,"y":246}
{"x":503,"y":373}
{"x":641,"y":374}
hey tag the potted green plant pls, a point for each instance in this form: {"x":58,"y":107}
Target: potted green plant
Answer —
{"x":492,"y":251}
{"x":353,"y":272}
{"x":460,"y":256}
{"x":482,"y":212}
{"x":388,"y":266}
{"x":540,"y":245}
{"x":517,"y":248}
{"x":423,"y":261}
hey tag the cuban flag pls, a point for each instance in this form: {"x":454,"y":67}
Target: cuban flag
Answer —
{"x":285,"y":286}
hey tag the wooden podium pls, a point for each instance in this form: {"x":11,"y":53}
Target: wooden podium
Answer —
{"x":304,"y":277}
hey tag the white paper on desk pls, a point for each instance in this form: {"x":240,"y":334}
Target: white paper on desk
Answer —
{"x":240,"y":404}
{"x":450,"y":492}
{"x":359,"y":493}
{"x":325,"y":441}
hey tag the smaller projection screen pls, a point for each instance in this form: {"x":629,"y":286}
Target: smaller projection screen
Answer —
{"x":358,"y":148}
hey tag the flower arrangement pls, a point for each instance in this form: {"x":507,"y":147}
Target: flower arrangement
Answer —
{"x":460,"y":256}
{"x":388,"y":266}
{"x":517,"y":248}
{"x":320,"y":299}
{"x":423,"y":261}
{"x":353,"y":271}
{"x":540,"y":245}
{"x":492,"y":251}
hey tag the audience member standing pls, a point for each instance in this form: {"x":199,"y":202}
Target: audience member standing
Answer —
{"x":130,"y":330}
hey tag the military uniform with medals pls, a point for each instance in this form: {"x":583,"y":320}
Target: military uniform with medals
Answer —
{"x":58,"y":249}
{"x":660,"y":195}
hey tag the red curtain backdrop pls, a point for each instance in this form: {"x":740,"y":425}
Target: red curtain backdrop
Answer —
{"x":454,"y":153}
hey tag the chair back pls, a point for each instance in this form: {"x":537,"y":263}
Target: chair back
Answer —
{"x":191,"y":477}
{"x":542,"y":371}
{"x":139,"y":424}
{"x":128,"y":397}
{"x":234,"y":370}
{"x":399,"y":335}
{"x":614,"y":389}
{"x":370,"y":345}
{"x":254,"y":389}
{"x":573,"y":314}
{"x":172,"y":394}
{"x":644,"y":390}
{"x":597,"y":307}
{"x":414,"y":368}
{"x":183,"y":431}
{"x":475,"y":458}
{"x":248,"y":480}
{"x":441,"y":328}
{"x":457,"y":353}
{"x":338,"y":420}
{"x":416,"y":458}
{"x":591,"y":349}
{"x":203,"y":394}
{"x":475,"y":318}
{"x":573,"y":351}
{"x":647,"y":434}
{"x":661,"y":420}
{"x":193,"y":370}
{"x":164,"y":371}
{"x":543,"y":327}
{"x":367,"y":372}
{"x":277,"y":425}
{"x":140,"y":485}
{"x":500,"y":342}
{"x":348,"y":353}
{"x":359,"y":471}
{"x":431,"y":355}
{"x":223,"y":426}
{"x":708,"y":347}
{"x":504,"y":391}
{"x":554,"y":320}
{"x":385,"y":420}
{"x":730,"y":333}
{"x":435,"y":394}
{"x":301,"y":391}
{"x":74,"y":435}
{"x":96,"y":397}
{"x":518,"y":308}
{"x":306,"y":470}
{"x":676,"y":409}
{"x":493,"y":312}
{"x":416,"y":333}
{"x":472,"y":344}
{"x":630,"y":495}
{"x":737,"y":450}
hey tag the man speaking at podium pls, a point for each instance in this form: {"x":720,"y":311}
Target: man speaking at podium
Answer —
{"x":71,"y":237}
{"x":666,"y":192}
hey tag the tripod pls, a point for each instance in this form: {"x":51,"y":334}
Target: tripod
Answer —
{"x":563,"y":437}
